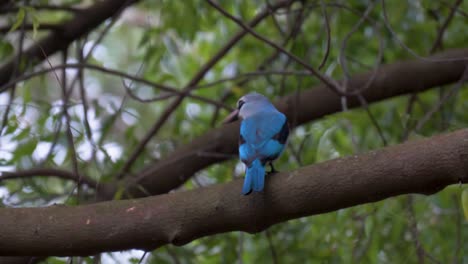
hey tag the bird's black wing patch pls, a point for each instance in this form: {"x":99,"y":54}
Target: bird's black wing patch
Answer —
{"x":241,"y":140}
{"x":282,"y":136}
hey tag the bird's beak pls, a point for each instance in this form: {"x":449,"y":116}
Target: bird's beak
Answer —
{"x":233,"y":116}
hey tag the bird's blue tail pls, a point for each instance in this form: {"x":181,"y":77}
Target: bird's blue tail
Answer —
{"x":254,"y":178}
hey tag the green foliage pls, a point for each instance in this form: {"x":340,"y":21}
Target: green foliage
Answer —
{"x":464,"y":201}
{"x":176,"y":39}
{"x":6,"y":49}
{"x":19,"y":19}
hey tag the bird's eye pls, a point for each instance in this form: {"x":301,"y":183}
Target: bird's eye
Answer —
{"x":240,"y":103}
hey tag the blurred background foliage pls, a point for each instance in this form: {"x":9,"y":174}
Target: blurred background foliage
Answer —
{"x":167,"y":42}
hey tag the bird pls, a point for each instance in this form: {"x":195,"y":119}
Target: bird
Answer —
{"x":263,"y":135}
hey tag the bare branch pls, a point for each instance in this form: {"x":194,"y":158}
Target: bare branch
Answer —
{"x":442,"y":100}
{"x":50,"y":172}
{"x":408,"y":49}
{"x":162,"y":87}
{"x":323,"y":78}
{"x":327,"y":27}
{"x":440,"y":34}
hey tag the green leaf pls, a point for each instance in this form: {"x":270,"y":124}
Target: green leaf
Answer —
{"x":19,"y":19}
{"x":464,"y":201}
{"x":54,"y":260}
{"x":26,"y":149}
{"x":368,"y":226}
{"x":35,"y":22}
{"x":6,"y":49}
{"x":119,"y":193}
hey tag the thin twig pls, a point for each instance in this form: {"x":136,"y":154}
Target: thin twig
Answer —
{"x":142,"y":257}
{"x":112,"y":72}
{"x":414,"y":230}
{"x":440,"y":34}
{"x":84,"y":101}
{"x":458,"y":222}
{"x":50,"y":172}
{"x":459,"y":11}
{"x":57,"y":130}
{"x":442,"y":100}
{"x":404,"y":46}
{"x":414,"y":96}
{"x":274,"y":256}
{"x":323,"y":78}
{"x":409,"y":108}
{"x":70,"y":139}
{"x":101,"y":36}
{"x":328,"y":30}
{"x":363,"y":102}
{"x":16,"y":71}
{"x":273,"y":17}
{"x":342,"y":58}
{"x":253,"y":74}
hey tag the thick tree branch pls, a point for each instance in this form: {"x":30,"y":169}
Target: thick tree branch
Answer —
{"x":424,"y":166}
{"x":82,"y":23}
{"x":391,"y":80}
{"x":20,"y":260}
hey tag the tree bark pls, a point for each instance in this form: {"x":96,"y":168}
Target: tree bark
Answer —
{"x":20,"y":260}
{"x":219,"y":144}
{"x":423,"y":166}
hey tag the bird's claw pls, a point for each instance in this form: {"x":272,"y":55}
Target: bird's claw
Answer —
{"x":272,"y":171}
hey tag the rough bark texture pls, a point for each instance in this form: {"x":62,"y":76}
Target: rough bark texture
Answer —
{"x":424,"y":166}
{"x":391,"y":80}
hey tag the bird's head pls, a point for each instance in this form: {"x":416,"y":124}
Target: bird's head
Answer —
{"x":248,"y":105}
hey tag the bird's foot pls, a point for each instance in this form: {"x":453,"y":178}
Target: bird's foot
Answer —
{"x":273,"y":170}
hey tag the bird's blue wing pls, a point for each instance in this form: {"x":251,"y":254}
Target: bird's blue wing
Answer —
{"x":262,"y":136}
{"x":273,"y":148}
{"x":246,"y":153}
{"x":258,"y":129}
